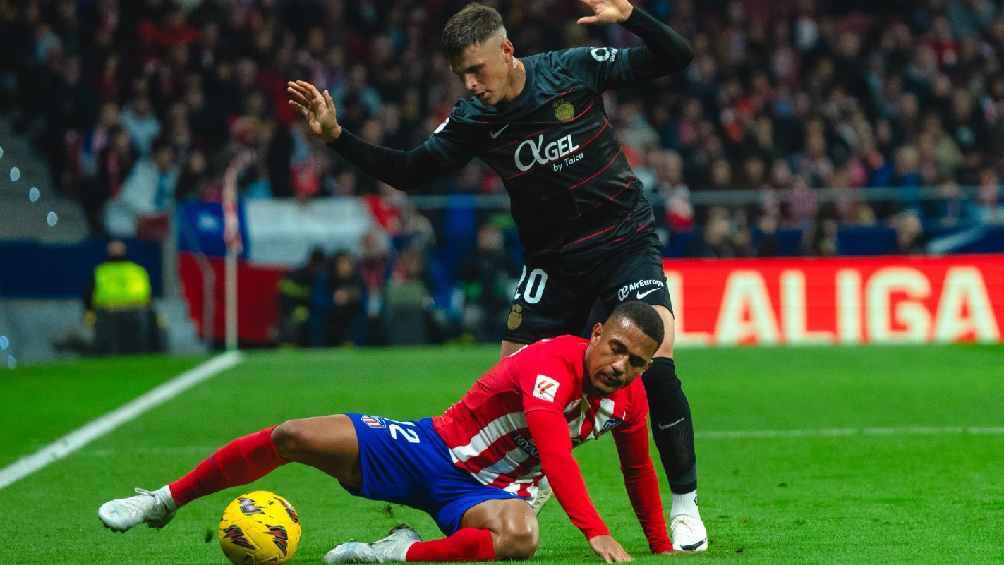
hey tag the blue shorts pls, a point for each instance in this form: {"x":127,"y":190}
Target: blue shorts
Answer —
{"x":408,"y":463}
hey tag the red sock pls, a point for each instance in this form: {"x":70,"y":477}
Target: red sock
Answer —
{"x":239,"y":462}
{"x":467,"y":544}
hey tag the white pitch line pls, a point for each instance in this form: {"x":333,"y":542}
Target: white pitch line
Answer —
{"x":104,"y":424}
{"x":845,"y":432}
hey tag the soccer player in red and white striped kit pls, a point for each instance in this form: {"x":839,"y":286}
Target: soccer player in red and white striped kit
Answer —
{"x":475,"y":467}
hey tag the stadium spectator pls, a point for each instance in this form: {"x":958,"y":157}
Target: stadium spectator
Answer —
{"x":147,"y":191}
{"x":298,"y":316}
{"x":721,"y":238}
{"x":909,"y":234}
{"x":488,"y":280}
{"x":408,"y":314}
{"x":374,"y":264}
{"x":989,"y":209}
{"x":118,"y":302}
{"x":141,"y":124}
{"x":114,"y":161}
{"x":346,"y":300}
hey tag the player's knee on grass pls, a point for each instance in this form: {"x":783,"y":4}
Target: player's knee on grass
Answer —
{"x":517,"y":543}
{"x":518,"y":537}
{"x":513,"y":524}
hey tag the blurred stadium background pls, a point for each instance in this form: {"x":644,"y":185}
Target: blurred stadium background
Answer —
{"x":825,"y":172}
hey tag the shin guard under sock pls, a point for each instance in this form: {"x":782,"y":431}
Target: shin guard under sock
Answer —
{"x":672,"y":427}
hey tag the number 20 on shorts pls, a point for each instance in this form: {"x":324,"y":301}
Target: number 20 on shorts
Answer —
{"x":534,"y":289}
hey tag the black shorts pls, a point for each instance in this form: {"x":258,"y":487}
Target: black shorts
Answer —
{"x":548,"y":303}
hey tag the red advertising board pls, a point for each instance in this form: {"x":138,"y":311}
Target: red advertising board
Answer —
{"x":257,"y":298}
{"x":838,"y":301}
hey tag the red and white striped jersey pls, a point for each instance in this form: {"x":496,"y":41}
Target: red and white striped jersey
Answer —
{"x":487,"y":433}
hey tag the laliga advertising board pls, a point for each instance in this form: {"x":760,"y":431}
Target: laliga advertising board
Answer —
{"x":843,"y":300}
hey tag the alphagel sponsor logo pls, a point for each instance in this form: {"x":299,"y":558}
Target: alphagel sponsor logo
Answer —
{"x":535,"y":152}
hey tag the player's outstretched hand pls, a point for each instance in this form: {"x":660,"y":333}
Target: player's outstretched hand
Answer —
{"x":606,"y":11}
{"x":318,"y":110}
{"x":608,"y":548}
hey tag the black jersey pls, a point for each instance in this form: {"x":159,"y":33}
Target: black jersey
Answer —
{"x":571,"y":188}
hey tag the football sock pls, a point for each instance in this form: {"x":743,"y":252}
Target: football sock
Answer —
{"x":672,"y":427}
{"x":164,"y":494}
{"x":466,"y":544}
{"x":239,"y":462}
{"x":684,"y":504}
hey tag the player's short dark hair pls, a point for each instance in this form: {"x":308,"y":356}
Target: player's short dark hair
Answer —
{"x":642,"y":315}
{"x":473,"y":24}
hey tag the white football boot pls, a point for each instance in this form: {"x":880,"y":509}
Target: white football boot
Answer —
{"x":351,"y":552}
{"x":155,"y":508}
{"x":393,"y":548}
{"x":544,"y":493}
{"x":688,"y":533}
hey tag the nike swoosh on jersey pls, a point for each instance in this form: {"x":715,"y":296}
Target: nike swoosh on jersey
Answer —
{"x":641,"y":294}
{"x":495,"y":134}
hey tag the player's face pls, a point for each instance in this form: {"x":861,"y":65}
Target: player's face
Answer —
{"x":484,"y":69}
{"x":618,"y":352}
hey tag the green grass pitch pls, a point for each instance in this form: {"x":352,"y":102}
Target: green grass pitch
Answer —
{"x":806,"y":455}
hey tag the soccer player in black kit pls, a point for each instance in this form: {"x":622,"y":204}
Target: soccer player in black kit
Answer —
{"x":586,"y":228}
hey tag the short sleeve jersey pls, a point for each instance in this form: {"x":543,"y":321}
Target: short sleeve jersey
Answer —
{"x":486,"y":431}
{"x":570,"y":184}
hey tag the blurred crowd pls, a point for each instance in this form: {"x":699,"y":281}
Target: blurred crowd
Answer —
{"x":395,"y":292}
{"x":139,"y":104}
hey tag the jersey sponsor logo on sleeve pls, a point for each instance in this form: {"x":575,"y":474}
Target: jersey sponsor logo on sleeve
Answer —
{"x":545,"y":388}
{"x":604,"y":54}
{"x":627,"y":289}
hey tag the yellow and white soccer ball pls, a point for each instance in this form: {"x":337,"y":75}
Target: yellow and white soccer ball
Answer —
{"x":259,"y":527}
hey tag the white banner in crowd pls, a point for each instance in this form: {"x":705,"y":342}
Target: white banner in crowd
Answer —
{"x":282,"y":232}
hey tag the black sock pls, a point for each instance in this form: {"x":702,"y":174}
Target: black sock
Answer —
{"x":672,"y":426}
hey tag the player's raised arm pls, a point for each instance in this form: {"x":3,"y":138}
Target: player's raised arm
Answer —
{"x":665,"y":50}
{"x":405,"y":170}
